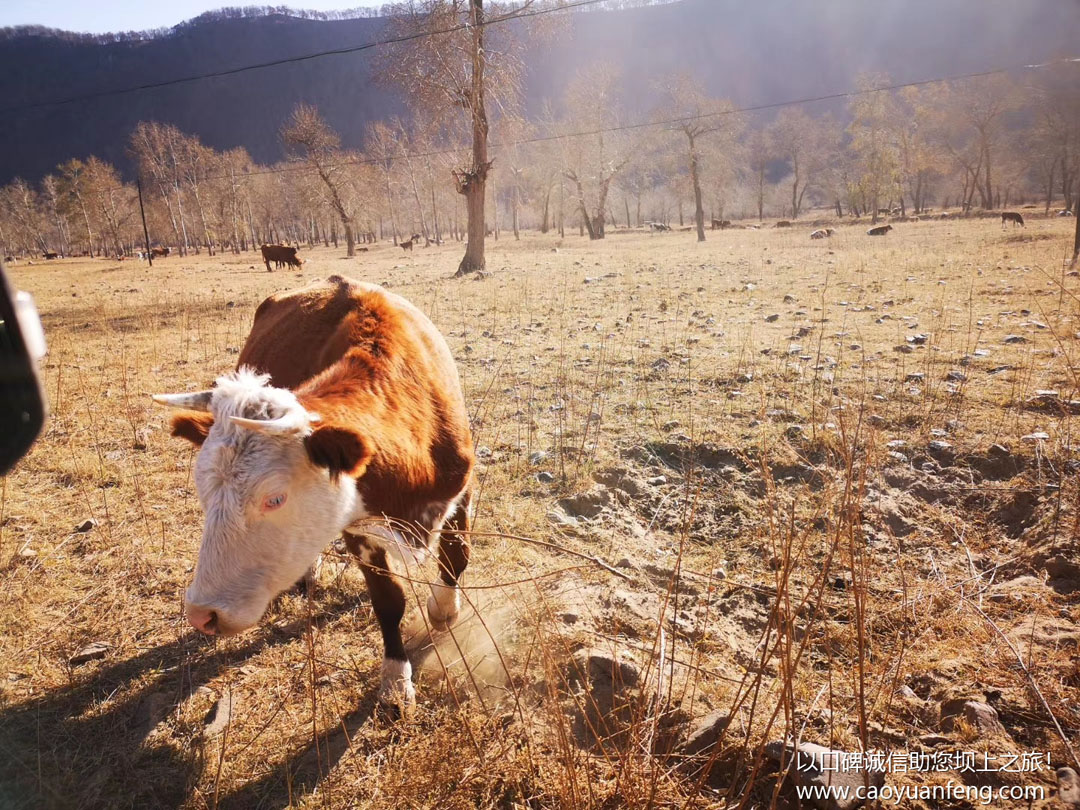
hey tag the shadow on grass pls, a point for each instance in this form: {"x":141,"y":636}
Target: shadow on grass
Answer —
{"x":62,"y":750}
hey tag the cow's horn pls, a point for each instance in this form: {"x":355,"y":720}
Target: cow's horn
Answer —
{"x":195,"y":401}
{"x":291,"y":422}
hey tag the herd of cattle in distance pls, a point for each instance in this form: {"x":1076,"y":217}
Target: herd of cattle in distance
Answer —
{"x":286,"y":255}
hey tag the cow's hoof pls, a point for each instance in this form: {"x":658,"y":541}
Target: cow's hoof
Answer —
{"x":397,"y":694}
{"x":442,"y":616}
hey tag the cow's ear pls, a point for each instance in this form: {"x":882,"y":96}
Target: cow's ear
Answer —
{"x":193,"y":426}
{"x":338,"y":449}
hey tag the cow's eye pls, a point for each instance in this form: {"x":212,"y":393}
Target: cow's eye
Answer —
{"x":273,"y":502}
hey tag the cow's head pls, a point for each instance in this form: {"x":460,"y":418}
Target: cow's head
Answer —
{"x":276,"y":485}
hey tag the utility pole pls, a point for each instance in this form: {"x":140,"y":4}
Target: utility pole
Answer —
{"x":142,"y":212}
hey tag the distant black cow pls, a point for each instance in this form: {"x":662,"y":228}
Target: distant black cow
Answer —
{"x":279,"y":255}
{"x":9,"y":259}
{"x":880,"y":230}
{"x":412,"y":241}
{"x":1013,"y":217}
{"x":721,"y":224}
{"x":50,"y":254}
{"x":783,"y":224}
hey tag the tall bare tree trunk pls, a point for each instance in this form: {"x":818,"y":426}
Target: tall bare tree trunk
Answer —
{"x":472,"y":181}
{"x":695,"y":177}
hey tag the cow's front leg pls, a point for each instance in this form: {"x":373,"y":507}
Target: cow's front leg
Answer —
{"x":388,"y":602}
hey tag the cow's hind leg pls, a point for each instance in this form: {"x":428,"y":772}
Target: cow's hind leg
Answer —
{"x":388,"y":602}
{"x":445,"y":600}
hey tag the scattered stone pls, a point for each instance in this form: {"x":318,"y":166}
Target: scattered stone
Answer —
{"x":1037,"y":436}
{"x":217,"y":719}
{"x":789,"y":299}
{"x":819,"y":767}
{"x":1068,"y":787}
{"x":483,"y":452}
{"x":915,"y":376}
{"x":956,"y":376}
{"x":544,"y":477}
{"x":570,"y":618}
{"x":537,"y":457}
{"x":907,"y":693}
{"x":772,"y":318}
{"x":601,"y":668}
{"x":667,"y":427}
{"x":934,"y":740}
{"x":1014,"y":339}
{"x":657,"y":481}
{"x":705,"y":733}
{"x":85,"y":526}
{"x":918,"y":339}
{"x":91,"y":652}
{"x":981,"y":716}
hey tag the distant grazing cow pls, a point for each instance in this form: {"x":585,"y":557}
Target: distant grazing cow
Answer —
{"x":363,"y":433}
{"x":721,"y":224}
{"x":280,"y":255}
{"x":1013,"y":217}
{"x":658,"y":226}
{"x":9,"y":259}
{"x":412,"y":241}
{"x":160,"y":252}
{"x":783,"y":224}
{"x":880,"y":230}
{"x":50,"y":254}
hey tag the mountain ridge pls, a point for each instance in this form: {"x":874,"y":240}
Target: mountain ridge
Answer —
{"x":753,"y":54}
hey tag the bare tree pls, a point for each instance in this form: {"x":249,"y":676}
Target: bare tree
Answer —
{"x":592,"y":162}
{"x":320,"y":147}
{"x":380,"y":144}
{"x":459,"y":65}
{"x":73,"y":186}
{"x":872,"y":143}
{"x":699,"y":117}
{"x":800,"y":140}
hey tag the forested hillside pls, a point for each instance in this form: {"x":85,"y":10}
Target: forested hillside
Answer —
{"x":751,"y":53}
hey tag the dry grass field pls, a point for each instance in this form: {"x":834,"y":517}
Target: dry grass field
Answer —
{"x":810,"y":488}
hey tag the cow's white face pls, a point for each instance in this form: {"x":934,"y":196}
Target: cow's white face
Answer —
{"x":270,"y":507}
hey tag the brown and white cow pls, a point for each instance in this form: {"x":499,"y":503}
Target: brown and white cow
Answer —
{"x":344,"y":417}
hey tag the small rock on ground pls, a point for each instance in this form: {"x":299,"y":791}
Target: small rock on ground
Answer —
{"x":980,"y":716}
{"x":91,"y":652}
{"x":1068,"y":787}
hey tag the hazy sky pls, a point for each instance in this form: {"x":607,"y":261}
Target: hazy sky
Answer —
{"x":133,"y":15}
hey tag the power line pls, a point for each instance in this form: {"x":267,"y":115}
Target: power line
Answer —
{"x":670,"y":121}
{"x":511,"y":15}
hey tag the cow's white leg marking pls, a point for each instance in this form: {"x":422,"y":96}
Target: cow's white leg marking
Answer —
{"x":396,"y":687}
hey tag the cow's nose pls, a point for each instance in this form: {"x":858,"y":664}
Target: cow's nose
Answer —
{"x":203,"y":619}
